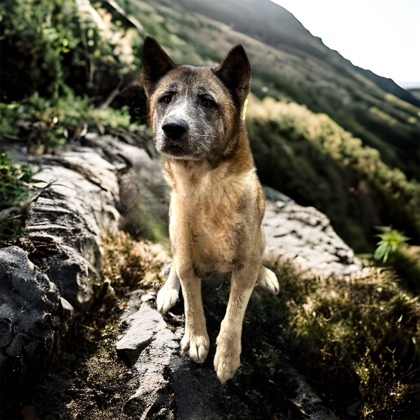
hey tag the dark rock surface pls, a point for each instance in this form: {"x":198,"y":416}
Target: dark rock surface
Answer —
{"x":64,"y":228}
{"x":33,"y":319}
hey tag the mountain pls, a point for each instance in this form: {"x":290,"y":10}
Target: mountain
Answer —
{"x":415,"y":92}
{"x":282,"y":30}
{"x":291,"y":64}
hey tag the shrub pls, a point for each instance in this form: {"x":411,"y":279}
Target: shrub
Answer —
{"x":53,"y":47}
{"x":312,"y":159}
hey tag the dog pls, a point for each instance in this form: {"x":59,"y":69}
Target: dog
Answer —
{"x":217,"y":202}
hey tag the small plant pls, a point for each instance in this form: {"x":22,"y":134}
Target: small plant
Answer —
{"x":13,"y":182}
{"x":13,"y":191}
{"x":391,"y":241}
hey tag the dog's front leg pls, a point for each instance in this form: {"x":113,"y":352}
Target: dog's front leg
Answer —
{"x":227,"y":359}
{"x":196,"y":341}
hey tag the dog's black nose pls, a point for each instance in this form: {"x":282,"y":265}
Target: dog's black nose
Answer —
{"x":174,"y":128}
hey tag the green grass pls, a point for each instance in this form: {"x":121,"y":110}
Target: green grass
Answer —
{"x":356,"y":340}
{"x":47,"y":124}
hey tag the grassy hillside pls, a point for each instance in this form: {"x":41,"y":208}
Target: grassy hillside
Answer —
{"x":311,"y":158}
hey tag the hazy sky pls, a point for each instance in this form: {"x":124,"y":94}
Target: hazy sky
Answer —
{"x":378,"y":35}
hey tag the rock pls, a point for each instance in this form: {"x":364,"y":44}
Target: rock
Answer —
{"x":64,"y":225}
{"x":172,"y":386}
{"x":77,"y":208}
{"x":145,"y":327}
{"x":72,"y":274}
{"x":305,"y":235}
{"x":148,"y":345}
{"x":32,"y":320}
{"x":154,"y":394}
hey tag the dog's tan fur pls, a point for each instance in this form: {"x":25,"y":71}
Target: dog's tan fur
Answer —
{"x":217,"y":202}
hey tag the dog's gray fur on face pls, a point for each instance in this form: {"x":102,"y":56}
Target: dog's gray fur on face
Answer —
{"x":188,"y":103}
{"x":188,"y":100}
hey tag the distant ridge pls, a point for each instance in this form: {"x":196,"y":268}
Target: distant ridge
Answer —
{"x":389,"y":86}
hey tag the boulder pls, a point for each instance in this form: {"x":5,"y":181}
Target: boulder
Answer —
{"x":305,"y":236}
{"x":66,"y":222}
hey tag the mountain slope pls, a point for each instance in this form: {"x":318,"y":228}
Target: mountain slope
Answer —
{"x":276,"y":26}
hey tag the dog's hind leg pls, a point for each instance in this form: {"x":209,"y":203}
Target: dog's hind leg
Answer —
{"x":268,"y":280}
{"x":169,"y":293}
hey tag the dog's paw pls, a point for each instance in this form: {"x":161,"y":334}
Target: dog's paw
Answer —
{"x":196,"y":347}
{"x":268,"y":280}
{"x":227,"y":359}
{"x":166,"y":298}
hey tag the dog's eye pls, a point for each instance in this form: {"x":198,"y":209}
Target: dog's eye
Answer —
{"x":166,"y":99}
{"x":206,"y":102}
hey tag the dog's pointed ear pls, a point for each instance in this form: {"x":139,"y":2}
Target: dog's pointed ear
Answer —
{"x":235,"y":73}
{"x":155,"y":64}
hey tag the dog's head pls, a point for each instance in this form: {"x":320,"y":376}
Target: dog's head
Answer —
{"x":195,"y":112}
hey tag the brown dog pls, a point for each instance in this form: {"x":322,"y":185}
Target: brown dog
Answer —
{"x":217,"y":202}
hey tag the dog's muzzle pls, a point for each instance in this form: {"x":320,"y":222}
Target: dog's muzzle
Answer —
{"x":174,"y":128}
{"x":173,"y":138}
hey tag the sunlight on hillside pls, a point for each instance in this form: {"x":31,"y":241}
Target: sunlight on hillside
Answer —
{"x":330,"y":168}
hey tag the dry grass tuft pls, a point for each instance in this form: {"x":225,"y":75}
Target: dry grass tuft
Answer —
{"x":130,"y":262}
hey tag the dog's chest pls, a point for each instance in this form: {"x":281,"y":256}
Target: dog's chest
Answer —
{"x":215,"y":231}
{"x":209,"y":217}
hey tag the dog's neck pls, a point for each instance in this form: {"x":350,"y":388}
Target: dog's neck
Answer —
{"x":191,"y":177}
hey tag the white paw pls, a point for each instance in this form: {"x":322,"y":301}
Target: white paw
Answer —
{"x":166,"y":298}
{"x":268,"y":280}
{"x":195,"y":346}
{"x":227,"y":359}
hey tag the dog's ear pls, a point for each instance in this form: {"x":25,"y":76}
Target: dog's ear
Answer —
{"x":155,"y":64}
{"x":235,"y":73}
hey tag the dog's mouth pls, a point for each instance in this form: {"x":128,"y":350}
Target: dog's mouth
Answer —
{"x":176,"y":150}
{"x":179,"y":149}
{"x":172,"y":148}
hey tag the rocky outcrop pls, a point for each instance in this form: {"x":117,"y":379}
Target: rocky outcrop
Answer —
{"x":33,"y":320}
{"x":38,"y":304}
{"x":86,"y":191}
{"x":172,"y":386}
{"x":305,"y":235}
